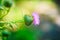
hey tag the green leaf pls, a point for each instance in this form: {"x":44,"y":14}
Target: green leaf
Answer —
{"x":1,"y":11}
{"x":1,"y":28}
{"x":5,"y":33}
{"x":1,"y":24}
{"x":1,"y":7}
{"x":0,"y":1}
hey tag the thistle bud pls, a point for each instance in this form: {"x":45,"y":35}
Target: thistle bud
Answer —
{"x":7,"y":3}
{"x":5,"y":33}
{"x":28,"y":20}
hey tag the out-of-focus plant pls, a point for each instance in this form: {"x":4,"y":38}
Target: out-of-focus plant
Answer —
{"x":5,"y":6}
{"x":8,"y":3}
{"x":57,"y":2}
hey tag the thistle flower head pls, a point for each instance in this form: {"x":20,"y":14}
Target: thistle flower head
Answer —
{"x":36,"y":17}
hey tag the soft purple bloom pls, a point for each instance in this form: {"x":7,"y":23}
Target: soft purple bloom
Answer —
{"x":36,"y":17}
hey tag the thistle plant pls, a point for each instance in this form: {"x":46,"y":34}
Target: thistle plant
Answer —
{"x":8,"y":29}
{"x":5,"y":6}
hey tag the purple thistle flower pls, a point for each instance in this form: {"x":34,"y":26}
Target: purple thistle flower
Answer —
{"x":36,"y":17}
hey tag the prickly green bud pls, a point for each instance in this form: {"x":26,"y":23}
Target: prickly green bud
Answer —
{"x":28,"y":20}
{"x":8,"y":3}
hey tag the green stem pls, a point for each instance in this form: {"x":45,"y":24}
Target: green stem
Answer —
{"x":59,"y":10}
{"x":21,"y":21}
{"x":6,"y":13}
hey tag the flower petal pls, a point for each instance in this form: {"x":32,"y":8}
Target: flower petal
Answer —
{"x":36,"y":17}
